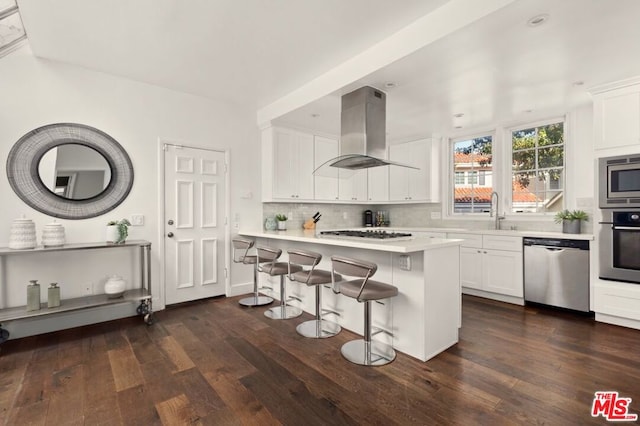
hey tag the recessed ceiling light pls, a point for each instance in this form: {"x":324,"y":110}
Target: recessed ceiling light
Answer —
{"x":390,"y":84}
{"x":578,"y":83}
{"x":458,"y":115}
{"x":315,"y":115}
{"x":538,"y":20}
{"x":528,"y":111}
{"x":458,"y":127}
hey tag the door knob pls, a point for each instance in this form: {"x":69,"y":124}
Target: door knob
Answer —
{"x":170,"y":234}
{"x":170,"y":222}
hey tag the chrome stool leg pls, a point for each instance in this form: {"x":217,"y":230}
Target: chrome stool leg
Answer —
{"x":283,"y":311}
{"x":318,"y":328}
{"x":256,"y":299}
{"x":366,"y":351}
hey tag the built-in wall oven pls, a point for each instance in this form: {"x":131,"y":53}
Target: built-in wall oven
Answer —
{"x":620,"y":245}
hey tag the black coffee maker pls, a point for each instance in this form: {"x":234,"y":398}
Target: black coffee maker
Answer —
{"x":368,"y":218}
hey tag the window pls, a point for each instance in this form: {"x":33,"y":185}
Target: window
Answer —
{"x":472,"y":157}
{"x":11,"y":28}
{"x":537,"y":169}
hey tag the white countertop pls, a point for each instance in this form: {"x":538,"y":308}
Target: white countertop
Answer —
{"x":309,"y":236}
{"x":515,"y":233}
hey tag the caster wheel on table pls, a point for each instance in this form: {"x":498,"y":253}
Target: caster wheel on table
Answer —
{"x":142,"y":310}
{"x":4,"y":335}
{"x":149,"y":319}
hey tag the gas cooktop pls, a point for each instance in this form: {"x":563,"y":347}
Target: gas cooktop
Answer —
{"x":375,"y":235}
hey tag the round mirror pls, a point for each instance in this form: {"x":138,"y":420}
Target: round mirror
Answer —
{"x":33,"y":170}
{"x":74,"y":172}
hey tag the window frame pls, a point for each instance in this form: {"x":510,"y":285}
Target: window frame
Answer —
{"x":449,"y":210}
{"x":507,"y":183}
{"x":502,"y":171}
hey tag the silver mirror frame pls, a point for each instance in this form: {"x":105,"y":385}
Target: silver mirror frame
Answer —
{"x":25,"y":156}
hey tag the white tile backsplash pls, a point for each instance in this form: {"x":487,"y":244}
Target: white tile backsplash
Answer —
{"x":400,"y":215}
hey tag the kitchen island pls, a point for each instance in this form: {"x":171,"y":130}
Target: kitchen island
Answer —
{"x":425,"y":316}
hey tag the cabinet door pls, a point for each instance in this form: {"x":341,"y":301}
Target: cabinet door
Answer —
{"x":410,"y":184}
{"x":352,"y":186}
{"x":378,"y":184}
{"x":418,"y":180}
{"x":471,"y":267}
{"x":502,"y":272}
{"x":398,"y":176}
{"x":303,"y":154}
{"x":325,"y":188}
{"x":284,"y":164}
{"x":617,"y":118}
{"x":292,"y":165}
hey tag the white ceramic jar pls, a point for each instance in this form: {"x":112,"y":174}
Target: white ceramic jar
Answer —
{"x":53,"y":235}
{"x":22,"y":235}
{"x":114,"y":287}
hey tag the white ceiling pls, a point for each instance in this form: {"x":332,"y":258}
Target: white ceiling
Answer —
{"x":249,"y":52}
{"x":500,"y":70}
{"x":253,"y":52}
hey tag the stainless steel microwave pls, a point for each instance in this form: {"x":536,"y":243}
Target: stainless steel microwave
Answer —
{"x":619,"y":181}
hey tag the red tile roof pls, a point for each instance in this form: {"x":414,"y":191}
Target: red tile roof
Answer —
{"x":482,"y":194}
{"x":459,"y":157}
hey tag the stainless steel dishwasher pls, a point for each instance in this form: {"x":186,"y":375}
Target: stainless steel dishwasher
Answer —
{"x":556,"y":272}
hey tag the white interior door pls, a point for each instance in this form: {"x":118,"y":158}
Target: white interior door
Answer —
{"x":194,"y":223}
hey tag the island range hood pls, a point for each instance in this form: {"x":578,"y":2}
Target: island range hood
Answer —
{"x":363,"y":133}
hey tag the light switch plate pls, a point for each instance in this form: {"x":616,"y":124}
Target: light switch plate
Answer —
{"x":405,"y":262}
{"x":137,"y":219}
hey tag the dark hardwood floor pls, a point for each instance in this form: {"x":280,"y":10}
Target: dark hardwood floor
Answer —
{"x":214,"y":362}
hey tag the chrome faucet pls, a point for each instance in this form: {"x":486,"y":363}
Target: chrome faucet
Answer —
{"x":497,"y":209}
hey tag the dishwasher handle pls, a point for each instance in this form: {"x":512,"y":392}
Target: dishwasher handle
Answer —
{"x":551,"y":248}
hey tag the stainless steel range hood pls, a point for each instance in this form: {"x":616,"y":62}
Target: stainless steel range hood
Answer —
{"x":363,"y":132}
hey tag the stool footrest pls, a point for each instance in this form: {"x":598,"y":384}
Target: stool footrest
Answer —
{"x":378,"y":330}
{"x":294,"y":298}
{"x":330,"y":312}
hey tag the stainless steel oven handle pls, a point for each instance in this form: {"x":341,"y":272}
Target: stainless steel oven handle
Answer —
{"x":625,"y":228}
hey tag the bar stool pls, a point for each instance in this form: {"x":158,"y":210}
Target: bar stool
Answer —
{"x":317,"y":328}
{"x":241,"y":248}
{"x":363,"y":351}
{"x":267,"y":257}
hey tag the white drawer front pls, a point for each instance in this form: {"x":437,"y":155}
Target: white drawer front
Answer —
{"x":499,"y":242}
{"x":470,"y":240}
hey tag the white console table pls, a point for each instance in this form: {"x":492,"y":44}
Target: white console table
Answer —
{"x":141,"y":294}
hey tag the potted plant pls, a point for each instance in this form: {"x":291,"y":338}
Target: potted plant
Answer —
{"x":117,"y":231}
{"x":571,"y":220}
{"x":282,"y":222}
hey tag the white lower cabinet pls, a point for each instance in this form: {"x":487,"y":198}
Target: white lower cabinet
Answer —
{"x":491,"y":264}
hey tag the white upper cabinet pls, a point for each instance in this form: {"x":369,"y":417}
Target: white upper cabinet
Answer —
{"x":378,"y":184}
{"x":353,"y":185}
{"x":617,"y":117}
{"x":410,"y":184}
{"x":292,"y":165}
{"x":326,"y":187}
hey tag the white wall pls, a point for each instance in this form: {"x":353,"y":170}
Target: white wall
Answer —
{"x":36,"y":92}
